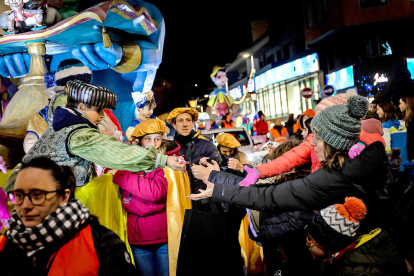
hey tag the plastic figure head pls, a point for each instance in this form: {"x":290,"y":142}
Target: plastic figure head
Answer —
{"x":15,"y":3}
{"x":219,"y":76}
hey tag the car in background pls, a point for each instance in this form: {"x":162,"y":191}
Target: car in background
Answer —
{"x":247,"y":143}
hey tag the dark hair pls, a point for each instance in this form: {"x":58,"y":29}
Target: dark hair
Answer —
{"x":409,"y":112}
{"x":151,"y":103}
{"x":280,"y":150}
{"x":334,"y":159}
{"x":235,"y":152}
{"x":389,"y":111}
{"x":72,"y":103}
{"x":308,"y":125}
{"x":62,"y":175}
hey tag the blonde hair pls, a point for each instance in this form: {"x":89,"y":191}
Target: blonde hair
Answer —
{"x":334,"y":159}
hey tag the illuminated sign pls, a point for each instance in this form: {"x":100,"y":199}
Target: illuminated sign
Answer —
{"x":410,"y":66}
{"x":299,"y":67}
{"x":341,"y":79}
{"x":379,"y":79}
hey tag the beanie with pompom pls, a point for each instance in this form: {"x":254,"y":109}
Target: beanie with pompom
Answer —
{"x":335,"y":226}
{"x":340,"y":125}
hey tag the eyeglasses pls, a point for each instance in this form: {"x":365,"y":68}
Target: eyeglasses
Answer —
{"x":310,"y":240}
{"x":36,"y":197}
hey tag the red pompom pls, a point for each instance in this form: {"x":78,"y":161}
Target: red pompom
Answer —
{"x":356,"y":208}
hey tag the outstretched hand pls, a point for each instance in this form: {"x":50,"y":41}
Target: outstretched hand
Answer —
{"x":210,"y":167}
{"x":175,"y":163}
{"x":203,"y":193}
{"x":251,"y":178}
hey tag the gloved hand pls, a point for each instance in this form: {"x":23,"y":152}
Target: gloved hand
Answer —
{"x":356,"y":150}
{"x":4,"y":210}
{"x":97,"y":57}
{"x":251,"y":178}
{"x":15,"y":65}
{"x":3,"y":165}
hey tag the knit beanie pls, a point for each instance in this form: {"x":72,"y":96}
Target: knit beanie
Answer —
{"x":402,"y":86}
{"x":335,"y":226}
{"x":340,"y":125}
{"x":372,"y":126}
{"x":72,"y":69}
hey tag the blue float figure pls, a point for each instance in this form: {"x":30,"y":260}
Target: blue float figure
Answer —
{"x":128,"y":69}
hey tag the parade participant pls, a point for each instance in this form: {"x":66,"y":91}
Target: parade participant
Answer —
{"x":213,"y":118}
{"x":227,"y":121}
{"x":144,"y":197}
{"x":52,"y":233}
{"x":193,"y":146}
{"x":71,"y":69}
{"x":145,"y":104}
{"x":278,"y":133}
{"x":395,"y":132}
{"x":219,"y":100}
{"x":74,"y":140}
{"x":332,"y":239}
{"x":304,"y":153}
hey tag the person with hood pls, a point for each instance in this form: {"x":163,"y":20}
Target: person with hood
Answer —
{"x":52,"y":233}
{"x":298,"y":127}
{"x":278,"y":133}
{"x":401,"y":90}
{"x":303,"y":153}
{"x":332,"y":239}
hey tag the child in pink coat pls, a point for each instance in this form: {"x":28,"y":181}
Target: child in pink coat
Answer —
{"x":144,"y":197}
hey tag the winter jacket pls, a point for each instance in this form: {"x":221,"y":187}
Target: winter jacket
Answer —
{"x":367,"y":172}
{"x":377,"y":256}
{"x":144,"y":197}
{"x":262,"y":127}
{"x":278,"y":134}
{"x":395,"y":136}
{"x":111,"y":253}
{"x":302,"y":154}
{"x":202,"y":148}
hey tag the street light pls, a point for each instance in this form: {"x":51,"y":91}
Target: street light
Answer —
{"x":253,"y":94}
{"x":246,"y":55}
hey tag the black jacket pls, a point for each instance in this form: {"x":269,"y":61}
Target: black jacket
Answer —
{"x":111,"y":252}
{"x":323,"y":188}
{"x":375,"y":257}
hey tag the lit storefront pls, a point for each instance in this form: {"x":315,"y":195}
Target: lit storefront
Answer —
{"x":341,"y":79}
{"x":279,"y":89}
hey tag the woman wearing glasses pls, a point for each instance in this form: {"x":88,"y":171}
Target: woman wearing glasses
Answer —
{"x":52,"y":233}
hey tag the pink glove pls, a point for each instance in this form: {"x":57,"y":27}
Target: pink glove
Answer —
{"x":356,"y":149}
{"x":3,"y":165}
{"x":4,"y":210}
{"x":251,"y":178}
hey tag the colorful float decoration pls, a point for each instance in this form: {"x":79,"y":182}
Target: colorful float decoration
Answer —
{"x":220,"y":100}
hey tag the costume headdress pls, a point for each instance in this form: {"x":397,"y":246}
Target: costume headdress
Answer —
{"x":91,"y":94}
{"x":173,"y":114}
{"x":227,"y":140}
{"x":141,"y":99}
{"x":151,"y":126}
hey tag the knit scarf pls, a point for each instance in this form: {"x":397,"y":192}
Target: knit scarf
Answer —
{"x":65,"y":220}
{"x":181,"y":139}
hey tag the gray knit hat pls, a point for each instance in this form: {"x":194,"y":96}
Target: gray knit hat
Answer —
{"x":340,"y":126}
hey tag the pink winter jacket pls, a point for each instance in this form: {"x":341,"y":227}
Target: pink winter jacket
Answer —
{"x":144,"y":197}
{"x":304,"y":153}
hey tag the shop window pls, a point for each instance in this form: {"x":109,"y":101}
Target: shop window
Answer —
{"x":364,"y":4}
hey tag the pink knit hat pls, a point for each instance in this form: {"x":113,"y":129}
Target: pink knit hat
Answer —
{"x":339,"y":99}
{"x":372,"y":126}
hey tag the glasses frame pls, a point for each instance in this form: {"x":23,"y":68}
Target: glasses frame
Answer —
{"x":11,"y":194}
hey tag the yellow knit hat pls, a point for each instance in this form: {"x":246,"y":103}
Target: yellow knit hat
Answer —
{"x":151,"y":126}
{"x":173,"y":114}
{"x":227,"y":140}
{"x":215,"y":70}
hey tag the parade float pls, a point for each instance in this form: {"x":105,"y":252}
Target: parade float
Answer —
{"x":219,"y":99}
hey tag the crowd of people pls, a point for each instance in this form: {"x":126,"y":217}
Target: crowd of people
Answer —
{"x":331,"y":193}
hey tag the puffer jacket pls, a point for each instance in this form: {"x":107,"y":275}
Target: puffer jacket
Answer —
{"x":302,"y":154}
{"x":377,"y":256}
{"x":395,"y":136}
{"x":367,"y":172}
{"x":144,"y":197}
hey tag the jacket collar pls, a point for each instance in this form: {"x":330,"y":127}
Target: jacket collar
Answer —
{"x":64,"y":117}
